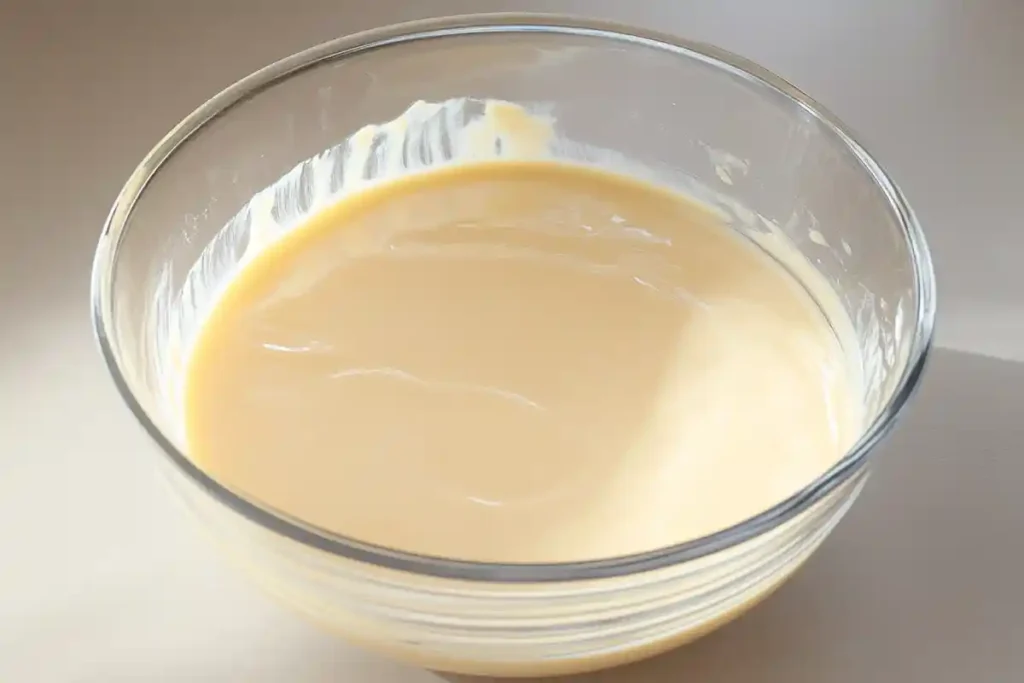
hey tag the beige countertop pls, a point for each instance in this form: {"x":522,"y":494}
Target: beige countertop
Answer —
{"x":102,"y":580}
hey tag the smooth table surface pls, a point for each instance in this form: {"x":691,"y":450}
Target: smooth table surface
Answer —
{"x":102,"y":580}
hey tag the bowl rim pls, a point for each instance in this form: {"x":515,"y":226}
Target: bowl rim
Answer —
{"x":496,"y":24}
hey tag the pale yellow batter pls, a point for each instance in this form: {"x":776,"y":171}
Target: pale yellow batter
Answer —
{"x":517,"y":361}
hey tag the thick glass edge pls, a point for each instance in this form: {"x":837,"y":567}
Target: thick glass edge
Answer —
{"x":277,"y":522}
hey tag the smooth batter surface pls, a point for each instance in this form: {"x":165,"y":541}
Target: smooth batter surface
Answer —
{"x":520,"y":362}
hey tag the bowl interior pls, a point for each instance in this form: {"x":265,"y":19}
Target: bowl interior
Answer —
{"x":773,"y":161}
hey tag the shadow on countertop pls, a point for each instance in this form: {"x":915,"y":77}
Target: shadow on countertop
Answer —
{"x":921,"y":582}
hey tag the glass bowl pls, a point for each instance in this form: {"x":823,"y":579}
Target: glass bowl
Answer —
{"x":766,"y":154}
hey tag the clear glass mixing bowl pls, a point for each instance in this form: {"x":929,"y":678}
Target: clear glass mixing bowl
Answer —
{"x":771,"y":155}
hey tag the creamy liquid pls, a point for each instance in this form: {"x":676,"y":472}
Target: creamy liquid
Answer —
{"x":517,"y":361}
